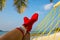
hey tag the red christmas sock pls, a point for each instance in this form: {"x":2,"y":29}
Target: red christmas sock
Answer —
{"x":26,"y":19}
{"x":28,"y":23}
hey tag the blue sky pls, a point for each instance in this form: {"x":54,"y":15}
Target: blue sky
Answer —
{"x":10,"y":18}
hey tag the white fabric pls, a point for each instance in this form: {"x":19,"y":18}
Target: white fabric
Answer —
{"x":23,"y":29}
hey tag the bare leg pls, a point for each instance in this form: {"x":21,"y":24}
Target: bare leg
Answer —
{"x":27,"y":36}
{"x":13,"y":35}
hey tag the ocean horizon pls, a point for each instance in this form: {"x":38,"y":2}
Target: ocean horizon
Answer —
{"x":1,"y":33}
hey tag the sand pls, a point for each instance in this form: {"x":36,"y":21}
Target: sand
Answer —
{"x":55,"y":36}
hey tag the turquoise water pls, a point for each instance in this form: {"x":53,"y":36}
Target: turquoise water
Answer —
{"x":1,"y":33}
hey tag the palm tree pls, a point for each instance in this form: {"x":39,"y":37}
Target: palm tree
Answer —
{"x":51,"y":0}
{"x":2,"y":4}
{"x":20,"y":5}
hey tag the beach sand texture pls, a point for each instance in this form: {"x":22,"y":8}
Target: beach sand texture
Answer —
{"x":55,"y":36}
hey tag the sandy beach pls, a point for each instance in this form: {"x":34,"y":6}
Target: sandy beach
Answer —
{"x":55,"y":36}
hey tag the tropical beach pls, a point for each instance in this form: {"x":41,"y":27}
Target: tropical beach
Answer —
{"x":30,"y":19}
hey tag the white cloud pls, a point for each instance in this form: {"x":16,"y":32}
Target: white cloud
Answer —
{"x":39,"y":12}
{"x":48,"y":6}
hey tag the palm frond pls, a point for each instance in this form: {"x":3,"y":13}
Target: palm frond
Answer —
{"x":2,"y":3}
{"x":20,"y":5}
{"x":51,"y":0}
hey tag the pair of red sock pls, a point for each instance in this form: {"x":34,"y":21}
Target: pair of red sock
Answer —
{"x":28,"y":23}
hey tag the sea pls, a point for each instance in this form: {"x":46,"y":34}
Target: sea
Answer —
{"x":1,"y":33}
